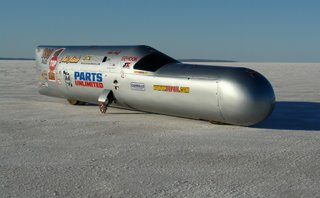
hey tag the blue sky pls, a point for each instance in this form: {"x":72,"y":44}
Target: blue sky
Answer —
{"x":243,"y":30}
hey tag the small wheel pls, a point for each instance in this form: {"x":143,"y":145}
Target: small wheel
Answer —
{"x":74,"y":102}
{"x":103,"y":107}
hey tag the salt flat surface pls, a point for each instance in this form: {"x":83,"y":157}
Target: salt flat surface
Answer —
{"x":49,"y":148}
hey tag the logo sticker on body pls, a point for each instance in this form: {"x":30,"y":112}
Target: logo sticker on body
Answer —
{"x":141,"y":72}
{"x":88,"y":79}
{"x":53,"y":64}
{"x":91,"y":60}
{"x":114,"y":52}
{"x":45,"y":55}
{"x":67,"y":78}
{"x":43,"y":79}
{"x":126,"y":65}
{"x":129,"y":58}
{"x":70,"y":59}
{"x":137,"y":86}
{"x":167,"y":88}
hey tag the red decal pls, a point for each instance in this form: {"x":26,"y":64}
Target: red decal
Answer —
{"x":53,"y":64}
{"x":126,"y":66}
{"x":88,"y":84}
{"x":129,"y":58}
{"x":114,"y":52}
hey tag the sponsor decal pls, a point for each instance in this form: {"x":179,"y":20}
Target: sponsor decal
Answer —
{"x":91,"y":60}
{"x":67,"y":79}
{"x":58,"y":81}
{"x":137,"y":86}
{"x":43,"y":75}
{"x":126,"y":65}
{"x":45,"y":55}
{"x":43,"y":79}
{"x":114,"y":52}
{"x":87,"y":58}
{"x":168,"y":88}
{"x":88,"y":79}
{"x":53,"y":64}
{"x":129,"y":58}
{"x":141,"y":72}
{"x":70,"y":59}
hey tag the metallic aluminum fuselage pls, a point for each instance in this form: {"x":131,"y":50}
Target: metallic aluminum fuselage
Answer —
{"x":230,"y":95}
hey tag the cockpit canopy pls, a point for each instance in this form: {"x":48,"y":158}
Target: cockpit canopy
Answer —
{"x":154,"y":61}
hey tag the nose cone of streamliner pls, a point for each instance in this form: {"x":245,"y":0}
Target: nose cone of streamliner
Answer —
{"x":245,"y":97}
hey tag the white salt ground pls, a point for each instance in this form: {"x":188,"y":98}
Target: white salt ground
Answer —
{"x":49,"y":148}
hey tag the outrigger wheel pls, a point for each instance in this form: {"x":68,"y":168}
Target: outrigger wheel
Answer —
{"x":105,"y":99}
{"x":103,"y":107}
{"x":75,"y":102}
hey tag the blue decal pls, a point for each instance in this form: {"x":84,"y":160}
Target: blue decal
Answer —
{"x":99,"y":77}
{"x":88,"y":76}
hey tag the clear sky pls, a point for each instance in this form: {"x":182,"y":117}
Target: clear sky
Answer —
{"x":243,"y":30}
